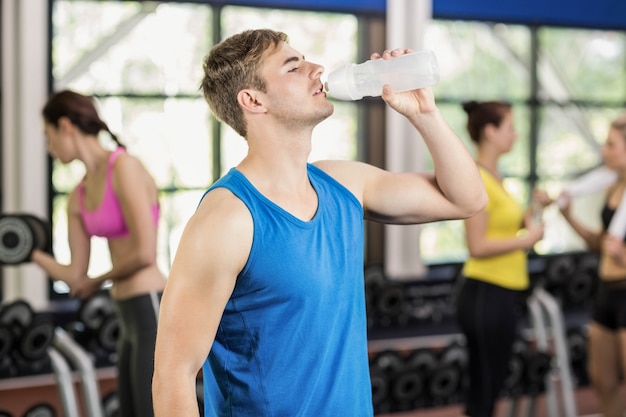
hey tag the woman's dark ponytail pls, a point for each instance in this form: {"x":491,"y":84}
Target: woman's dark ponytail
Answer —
{"x":81,"y":111}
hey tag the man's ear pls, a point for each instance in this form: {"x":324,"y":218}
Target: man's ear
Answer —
{"x":249,"y":101}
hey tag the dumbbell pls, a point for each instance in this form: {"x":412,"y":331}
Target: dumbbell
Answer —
{"x":408,"y":386}
{"x":581,"y":286}
{"x":447,"y":378}
{"x":538,"y":365}
{"x":383,"y":366}
{"x":97,"y":315}
{"x":380,"y":388}
{"x":6,"y":340}
{"x":577,"y":349}
{"x":31,"y":336}
{"x":514,"y":382}
{"x":558,"y":270}
{"x":390,"y":303}
{"x":374,"y":280}
{"x":20,"y":234}
{"x":40,"y":410}
{"x":374,"y":276}
{"x":577,"y":346}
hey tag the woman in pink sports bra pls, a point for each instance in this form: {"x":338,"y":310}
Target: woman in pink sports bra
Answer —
{"x":117,"y":199}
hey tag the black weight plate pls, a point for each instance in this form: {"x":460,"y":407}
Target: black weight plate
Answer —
{"x":388,"y":362}
{"x":515,"y":373}
{"x":380,"y":386}
{"x":424,"y":360}
{"x":17,"y":313}
{"x":577,"y":346}
{"x":374,"y":276}
{"x":16,"y":240}
{"x":6,"y":340}
{"x":454,"y":354}
{"x":108,"y":333}
{"x":407,"y":386}
{"x":40,"y":410}
{"x":36,"y":340}
{"x":579,"y":287}
{"x":390,"y":300}
{"x":537,"y":367}
{"x":40,"y":229}
{"x":559,"y":269}
{"x":94,"y":310}
{"x":444,"y":382}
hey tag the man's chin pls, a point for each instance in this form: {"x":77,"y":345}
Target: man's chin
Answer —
{"x":329,"y":111}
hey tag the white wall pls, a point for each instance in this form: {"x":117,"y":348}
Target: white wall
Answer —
{"x":24,"y":156}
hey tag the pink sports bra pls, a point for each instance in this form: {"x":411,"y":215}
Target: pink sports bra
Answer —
{"x":107,"y":220}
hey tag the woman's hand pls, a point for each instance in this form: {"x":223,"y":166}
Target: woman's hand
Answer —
{"x":542,"y":198}
{"x":534,"y":233}
{"x":564,"y":202}
{"x":84,"y":288}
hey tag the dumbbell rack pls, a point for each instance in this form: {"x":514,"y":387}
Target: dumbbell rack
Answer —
{"x":542,"y":305}
{"x":63,"y":375}
{"x":37,"y":344}
{"x":63,"y":352}
{"x":86,"y":370}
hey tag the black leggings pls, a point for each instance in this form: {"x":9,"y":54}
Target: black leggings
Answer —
{"x":488,"y":317}
{"x":135,"y":363}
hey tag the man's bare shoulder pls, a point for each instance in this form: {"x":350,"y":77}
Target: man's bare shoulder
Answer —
{"x":217,"y":238}
{"x":221,"y":209}
{"x":351,"y":174}
{"x":343,"y":168}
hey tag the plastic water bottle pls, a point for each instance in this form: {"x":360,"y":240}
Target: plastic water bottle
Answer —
{"x":405,"y":72}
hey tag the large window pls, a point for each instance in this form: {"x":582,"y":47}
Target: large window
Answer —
{"x":582,"y":89}
{"x":143,"y":60}
{"x":479,"y":61}
{"x":561,"y":120}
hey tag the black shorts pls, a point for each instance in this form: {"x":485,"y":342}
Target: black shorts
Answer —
{"x":609,"y":308}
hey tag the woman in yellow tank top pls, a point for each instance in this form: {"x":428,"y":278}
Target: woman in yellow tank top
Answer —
{"x":495,"y":275}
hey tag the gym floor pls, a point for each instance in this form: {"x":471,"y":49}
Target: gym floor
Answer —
{"x":586,"y":405}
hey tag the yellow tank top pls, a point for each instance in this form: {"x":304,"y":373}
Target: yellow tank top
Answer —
{"x":508,"y":270}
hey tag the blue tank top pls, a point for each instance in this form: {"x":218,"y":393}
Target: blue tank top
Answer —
{"x":293,"y":337}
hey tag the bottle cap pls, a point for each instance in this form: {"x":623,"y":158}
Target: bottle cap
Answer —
{"x":340,"y":84}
